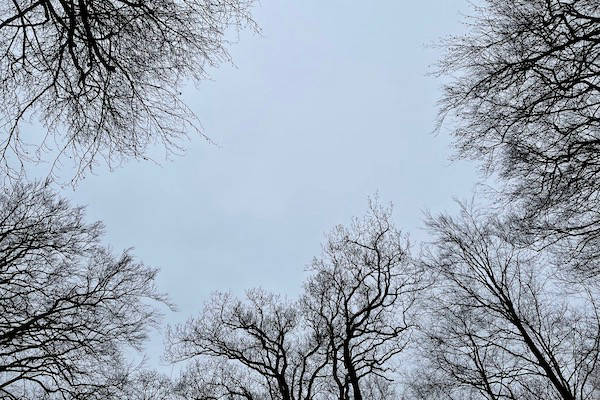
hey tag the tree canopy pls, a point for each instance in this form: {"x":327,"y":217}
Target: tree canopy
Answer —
{"x":69,"y":308}
{"x":104,"y":77}
{"x":523,"y":97}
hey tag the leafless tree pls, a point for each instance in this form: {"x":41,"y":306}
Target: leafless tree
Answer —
{"x":502,"y":325}
{"x":68,"y":307}
{"x":104,"y":76}
{"x":249,"y":350}
{"x":524,"y":92}
{"x":362,"y":294}
{"x":339,"y":341}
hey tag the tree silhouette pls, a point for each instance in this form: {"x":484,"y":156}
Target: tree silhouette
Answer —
{"x":338,"y":341}
{"x":104,"y":76}
{"x":68,"y":307}
{"x":362,"y":295}
{"x":503,"y":325}
{"x":524,"y":92}
{"x":253,"y":349}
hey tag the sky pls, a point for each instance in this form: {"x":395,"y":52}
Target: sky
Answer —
{"x":328,"y":105}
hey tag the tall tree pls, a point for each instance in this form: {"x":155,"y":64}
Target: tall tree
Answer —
{"x":104,"y":76}
{"x":339,"y":341}
{"x":502,"y":325}
{"x":524,"y":92}
{"x":69,"y":308}
{"x":254,"y":349}
{"x":362,"y":294}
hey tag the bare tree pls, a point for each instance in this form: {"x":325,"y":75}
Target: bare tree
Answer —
{"x":249,"y":350}
{"x":362,"y":294}
{"x":524,"y":92}
{"x":339,"y":341}
{"x":104,"y":76}
{"x":502,"y":325}
{"x":68,"y":307}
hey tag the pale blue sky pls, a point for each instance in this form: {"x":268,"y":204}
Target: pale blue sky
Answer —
{"x":328,"y":106}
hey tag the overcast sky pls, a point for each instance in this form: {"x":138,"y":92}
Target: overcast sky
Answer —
{"x":330,"y":104}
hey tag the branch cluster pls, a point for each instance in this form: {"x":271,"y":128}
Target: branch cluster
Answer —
{"x":105,"y":76}
{"x":338,"y":341}
{"x":68,"y":307}
{"x":524,"y":95}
